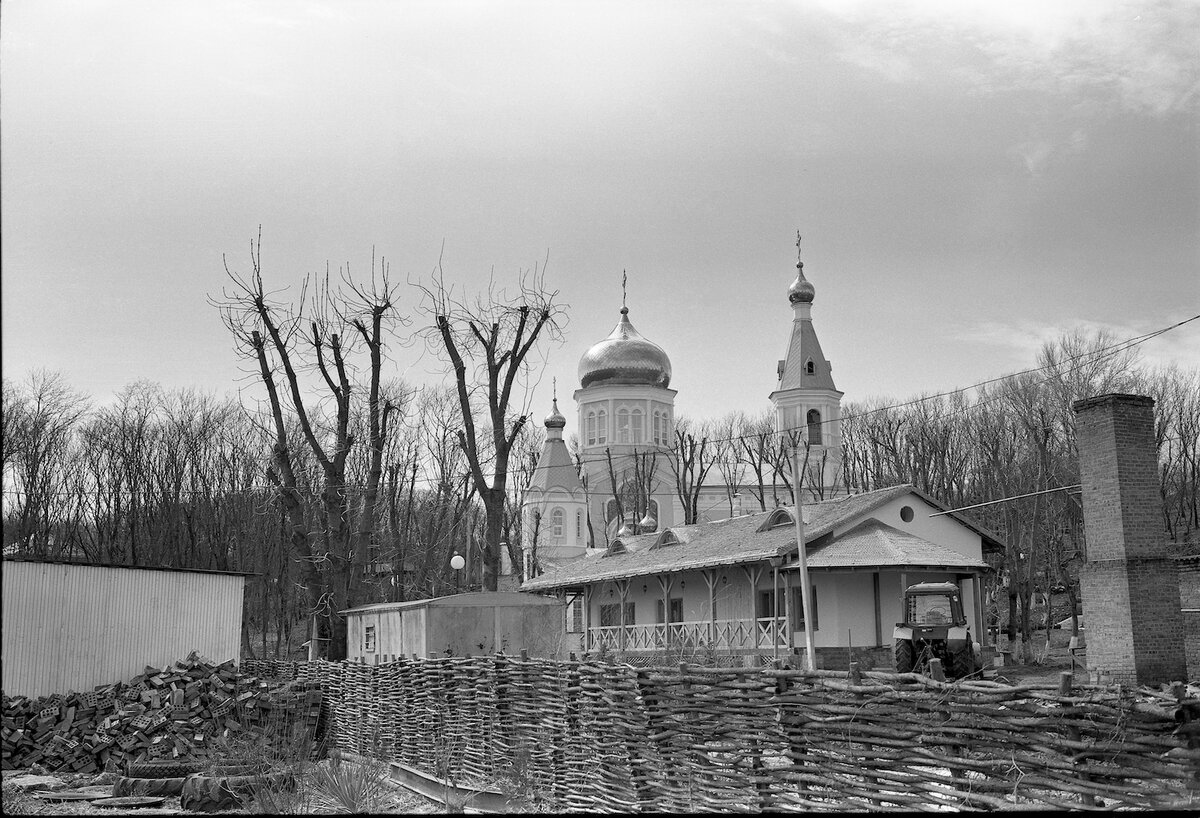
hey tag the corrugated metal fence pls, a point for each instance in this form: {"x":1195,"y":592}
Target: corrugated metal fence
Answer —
{"x":71,"y":627}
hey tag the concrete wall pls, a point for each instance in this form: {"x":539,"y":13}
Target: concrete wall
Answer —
{"x":73,"y":627}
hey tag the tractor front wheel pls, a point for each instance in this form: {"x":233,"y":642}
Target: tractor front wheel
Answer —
{"x":904,"y":656}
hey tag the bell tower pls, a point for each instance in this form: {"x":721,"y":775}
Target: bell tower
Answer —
{"x":554,"y":509}
{"x":805,"y":398}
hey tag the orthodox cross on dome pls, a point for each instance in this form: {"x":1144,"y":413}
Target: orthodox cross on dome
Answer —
{"x":799,"y":263}
{"x":624,"y":281}
{"x":554,"y":388}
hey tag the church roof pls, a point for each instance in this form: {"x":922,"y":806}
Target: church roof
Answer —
{"x":555,"y":469}
{"x":802,"y":347}
{"x":765,"y":535}
{"x":625,"y":357}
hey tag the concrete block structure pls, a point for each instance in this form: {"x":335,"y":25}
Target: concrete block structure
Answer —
{"x":1129,"y":581}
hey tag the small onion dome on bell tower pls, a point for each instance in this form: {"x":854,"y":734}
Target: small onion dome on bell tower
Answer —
{"x":555,"y":419}
{"x":802,"y":290}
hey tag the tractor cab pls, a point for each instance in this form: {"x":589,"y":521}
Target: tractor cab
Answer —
{"x":935,"y":627}
{"x":933,"y":605}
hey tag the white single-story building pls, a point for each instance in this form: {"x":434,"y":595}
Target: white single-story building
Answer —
{"x":731,"y":586}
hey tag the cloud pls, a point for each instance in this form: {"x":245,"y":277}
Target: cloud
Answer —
{"x":1023,"y":339}
{"x":1138,"y":55}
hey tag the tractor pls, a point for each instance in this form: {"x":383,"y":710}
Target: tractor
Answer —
{"x":934,"y":627}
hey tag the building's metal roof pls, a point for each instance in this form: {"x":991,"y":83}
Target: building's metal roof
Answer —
{"x":764,"y":536}
{"x":48,"y":561}
{"x":475,"y":599}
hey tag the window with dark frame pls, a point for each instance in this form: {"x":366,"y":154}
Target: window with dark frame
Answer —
{"x":610,"y":615}
{"x":675,"y":609}
{"x":769,"y":605}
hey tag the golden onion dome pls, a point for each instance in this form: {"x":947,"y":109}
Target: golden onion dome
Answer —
{"x":625,"y":357}
{"x":802,"y":290}
{"x":555,"y":419}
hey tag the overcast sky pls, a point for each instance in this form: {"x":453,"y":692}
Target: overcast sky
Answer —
{"x":970,"y":178}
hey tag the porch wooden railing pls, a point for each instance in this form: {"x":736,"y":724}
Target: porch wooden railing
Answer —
{"x":721,"y":634}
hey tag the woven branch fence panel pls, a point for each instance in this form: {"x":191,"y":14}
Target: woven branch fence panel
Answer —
{"x":601,"y":737}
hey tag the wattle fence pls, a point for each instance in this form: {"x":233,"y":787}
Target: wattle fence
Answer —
{"x":601,"y":737}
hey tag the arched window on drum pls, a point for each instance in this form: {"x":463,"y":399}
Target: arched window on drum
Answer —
{"x":814,"y":427}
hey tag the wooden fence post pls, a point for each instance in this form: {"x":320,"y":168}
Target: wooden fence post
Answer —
{"x":856,"y":681}
{"x":1065,"y":681}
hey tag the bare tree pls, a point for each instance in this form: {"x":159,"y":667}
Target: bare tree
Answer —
{"x":40,"y":420}
{"x":280,"y":338}
{"x":690,"y":461}
{"x":492,"y":347}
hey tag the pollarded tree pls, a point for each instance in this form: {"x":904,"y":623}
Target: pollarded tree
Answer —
{"x":310,"y":367}
{"x":492,"y":345}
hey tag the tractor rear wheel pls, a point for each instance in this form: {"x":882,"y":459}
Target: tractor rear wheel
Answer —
{"x":904,"y":656}
{"x":961,"y":662}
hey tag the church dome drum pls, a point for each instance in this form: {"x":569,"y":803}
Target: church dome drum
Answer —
{"x":625,"y":357}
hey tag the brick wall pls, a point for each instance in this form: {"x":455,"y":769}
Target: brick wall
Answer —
{"x":1189,"y":600}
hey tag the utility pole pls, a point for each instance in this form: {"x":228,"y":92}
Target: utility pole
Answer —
{"x":805,"y":587}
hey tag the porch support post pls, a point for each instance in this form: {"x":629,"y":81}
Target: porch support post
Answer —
{"x":623,"y":591}
{"x":665,"y":583}
{"x":878,"y":610}
{"x":977,"y":603}
{"x":753,"y":572}
{"x":787,"y":610}
{"x":710,"y":579}
{"x":587,"y":618}
{"x":775,"y":614}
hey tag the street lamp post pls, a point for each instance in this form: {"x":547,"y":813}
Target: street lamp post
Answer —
{"x":457,"y":562}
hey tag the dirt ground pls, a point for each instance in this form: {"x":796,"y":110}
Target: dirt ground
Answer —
{"x":1049,"y":661}
{"x":396,"y":801}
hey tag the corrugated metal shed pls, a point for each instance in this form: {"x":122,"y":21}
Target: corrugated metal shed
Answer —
{"x":481,"y":622}
{"x":71,"y":626}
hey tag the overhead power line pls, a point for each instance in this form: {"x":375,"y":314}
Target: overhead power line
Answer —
{"x":1006,"y":499}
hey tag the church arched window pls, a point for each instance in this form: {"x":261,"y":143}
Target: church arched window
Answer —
{"x":639,"y":427}
{"x":814,"y":427}
{"x":610,"y":510}
{"x":602,"y":426}
{"x":591,"y":428}
{"x":623,"y":426}
{"x":810,"y":367}
{"x":556,"y":523}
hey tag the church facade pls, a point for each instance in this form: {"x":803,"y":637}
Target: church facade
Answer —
{"x":626,"y":422}
{"x":610,"y":536}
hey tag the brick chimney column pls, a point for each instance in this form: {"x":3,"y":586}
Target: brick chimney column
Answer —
{"x":1129,"y":582}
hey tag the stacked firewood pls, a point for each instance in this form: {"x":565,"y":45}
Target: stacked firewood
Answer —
{"x":173,"y":712}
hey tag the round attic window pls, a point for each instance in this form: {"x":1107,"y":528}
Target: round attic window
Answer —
{"x":906,"y":514}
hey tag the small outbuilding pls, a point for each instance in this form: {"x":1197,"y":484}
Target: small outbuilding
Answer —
{"x":72,"y":626}
{"x":457,"y":625}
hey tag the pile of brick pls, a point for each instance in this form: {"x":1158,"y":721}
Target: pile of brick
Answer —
{"x":173,"y":712}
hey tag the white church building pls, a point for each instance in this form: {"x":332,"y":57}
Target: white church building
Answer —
{"x":609,"y":537}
